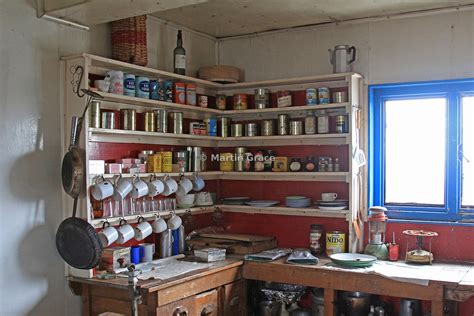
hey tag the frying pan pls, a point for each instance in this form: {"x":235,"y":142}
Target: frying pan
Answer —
{"x":76,"y":240}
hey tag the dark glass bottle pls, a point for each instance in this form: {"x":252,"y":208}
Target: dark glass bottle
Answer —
{"x":179,"y":56}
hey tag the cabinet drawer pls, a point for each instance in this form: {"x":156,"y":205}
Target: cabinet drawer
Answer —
{"x":206,"y":304}
{"x":235,"y":299}
{"x":184,"y":307}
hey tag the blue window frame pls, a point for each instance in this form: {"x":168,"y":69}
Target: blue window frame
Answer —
{"x":453,"y":91}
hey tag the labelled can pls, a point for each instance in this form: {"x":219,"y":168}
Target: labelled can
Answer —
{"x":182,"y":161}
{"x":316,"y":233}
{"x":211,"y":126}
{"x":221,"y":101}
{"x":168,"y":89}
{"x":248,"y":158}
{"x":94,"y":112}
{"x":160,"y":86}
{"x":142,"y":87}
{"x":237,"y":130}
{"x":283,"y":124}
{"x":226,"y":162}
{"x":342,"y":124}
{"x":129,"y":85}
{"x":262,"y":98}
{"x":224,"y":126}
{"x":177,"y":122}
{"x":161,"y":124}
{"x":196,"y":161}
{"x":195,"y":128}
{"x":267,"y":128}
{"x":339,"y":97}
{"x":191,"y":94}
{"x":240,"y":101}
{"x":154,"y":163}
{"x":323,"y":95}
{"x":251,"y":129}
{"x":203,"y":101}
{"x":335,"y":242}
{"x":108,"y":120}
{"x":311,"y":96}
{"x":128,"y":119}
{"x":166,"y":161}
{"x":239,"y":158}
{"x":149,"y":121}
{"x":180,"y":93}
{"x":310,"y":124}
{"x":154,"y":89}
{"x":296,"y":127}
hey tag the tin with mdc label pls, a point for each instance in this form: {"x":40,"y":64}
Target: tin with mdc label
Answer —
{"x":335,"y":242}
{"x":142,"y":87}
{"x":129,"y":85}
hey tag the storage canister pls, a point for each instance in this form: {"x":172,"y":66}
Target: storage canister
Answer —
{"x":197,"y":157}
{"x":296,"y":127}
{"x":323,"y":95}
{"x":237,"y":130}
{"x":267,"y":128}
{"x":323,"y":123}
{"x":269,"y":158}
{"x":339,"y":97}
{"x":224,"y":126}
{"x":108,"y":120}
{"x":94,"y":110}
{"x":149,"y":121}
{"x":283,"y":124}
{"x":116,"y":81}
{"x":239,"y":158}
{"x":129,"y":85}
{"x":251,"y":129}
{"x":310,"y":124}
{"x":221,"y":102}
{"x":168,"y":88}
{"x":191,"y":94}
{"x":182,"y":161}
{"x":203,"y":101}
{"x":167,"y":161}
{"x":154,"y":163}
{"x":177,"y":122}
{"x":335,"y":242}
{"x":226,"y":162}
{"x":341,"y":124}
{"x":142,"y":87}
{"x":180,"y":93}
{"x":311,"y":96}
{"x":161,"y":123}
{"x":154,"y":89}
{"x":211,"y":126}
{"x":262,"y":98}
{"x":128,"y":119}
{"x":316,"y":234}
{"x":240,"y":101}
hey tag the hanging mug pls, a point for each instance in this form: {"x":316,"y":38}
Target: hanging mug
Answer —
{"x":102,"y":189}
{"x":155,"y":186}
{"x":140,"y":188}
{"x":143,"y":229}
{"x":108,"y":235}
{"x":171,"y":186}
{"x":125,"y":232}
{"x":184,"y":187}
{"x":123,"y":187}
{"x":198,"y":183}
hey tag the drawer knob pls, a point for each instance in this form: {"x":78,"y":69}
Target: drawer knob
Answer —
{"x":235,"y":301}
{"x":181,"y":311}
{"x":209,"y":309}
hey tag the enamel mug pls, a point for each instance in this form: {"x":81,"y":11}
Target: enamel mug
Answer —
{"x":174,"y":222}
{"x":102,"y":190}
{"x":171,"y":186}
{"x":329,"y":196}
{"x":148,"y":252}
{"x":159,"y":225}
{"x":143,"y":229}
{"x":155,"y":187}
{"x":108,"y":235}
{"x":125,"y":232}
{"x":184,"y":187}
{"x":198,"y":183}
{"x":122,"y":188}
{"x":140,"y":188}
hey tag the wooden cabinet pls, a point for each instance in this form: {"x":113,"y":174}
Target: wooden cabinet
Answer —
{"x":204,"y":304}
{"x":235,"y":299}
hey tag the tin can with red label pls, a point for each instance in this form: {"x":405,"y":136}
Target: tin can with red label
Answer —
{"x":240,"y":101}
{"x":180,"y":93}
{"x":203,"y":101}
{"x":191,"y":94}
{"x":221,"y":102}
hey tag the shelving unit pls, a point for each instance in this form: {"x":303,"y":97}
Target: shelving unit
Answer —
{"x":97,"y":65}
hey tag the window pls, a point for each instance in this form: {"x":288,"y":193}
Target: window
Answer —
{"x":421,"y":149}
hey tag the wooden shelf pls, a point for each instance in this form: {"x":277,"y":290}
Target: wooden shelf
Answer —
{"x":141,"y":137}
{"x":287,"y":176}
{"x":97,"y":223}
{"x":282,"y":210}
{"x":207,"y":175}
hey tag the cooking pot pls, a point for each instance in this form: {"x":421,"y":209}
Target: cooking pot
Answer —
{"x":354,"y":303}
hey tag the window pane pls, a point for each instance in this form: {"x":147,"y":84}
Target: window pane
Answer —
{"x":415,"y":151}
{"x":468,"y":151}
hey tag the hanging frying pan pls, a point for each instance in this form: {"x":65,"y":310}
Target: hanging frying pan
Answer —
{"x":76,"y":240}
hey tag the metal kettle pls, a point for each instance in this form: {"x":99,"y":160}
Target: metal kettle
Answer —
{"x":342,"y":58}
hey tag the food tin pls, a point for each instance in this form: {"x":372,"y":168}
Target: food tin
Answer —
{"x":284,"y":99}
{"x":142,"y":87}
{"x":177,"y":122}
{"x":280,"y":164}
{"x":296,"y":127}
{"x":154,"y":89}
{"x":226,"y":162}
{"x":262,"y":98}
{"x":160,"y":87}
{"x":283,"y":124}
{"x":248,"y":159}
{"x":154,"y":163}
{"x":224,"y":126}
{"x":311,"y":96}
{"x":323,"y":95}
{"x":211,"y":126}
{"x":335,"y":242}
{"x":267,"y":128}
{"x":116,"y":81}
{"x":339,"y":97}
{"x":182,"y":161}
{"x":240,"y":101}
{"x":221,"y":101}
{"x":128,"y":119}
{"x":129,"y":85}
{"x":203,"y":128}
{"x":143,"y":155}
{"x":237,"y":130}
{"x":180,"y":93}
{"x":149,"y":121}
{"x":310,"y":124}
{"x":108,"y":120}
{"x":161,"y":123}
{"x":323,"y":123}
{"x":269,"y":158}
{"x":167,"y":161}
{"x":197,"y":159}
{"x":251,"y":129}
{"x":195,"y":128}
{"x":341,"y":124}
{"x":168,"y":90}
{"x":259,"y":161}
{"x":316,"y":232}
{"x":203,"y":101}
{"x":191,"y":94}
{"x":239,"y":158}
{"x":94,"y":118}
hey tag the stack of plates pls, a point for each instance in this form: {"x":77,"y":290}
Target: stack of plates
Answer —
{"x":336,"y":205}
{"x":298,"y":201}
{"x":262,"y":203}
{"x":238,"y":200}
{"x":352,"y":260}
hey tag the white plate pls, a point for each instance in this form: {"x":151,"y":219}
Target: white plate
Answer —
{"x":262,"y":203}
{"x":332,"y":208}
{"x":352,"y":257}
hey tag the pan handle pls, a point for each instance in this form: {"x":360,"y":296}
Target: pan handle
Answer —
{"x":74,"y":207}
{"x":74,"y":125}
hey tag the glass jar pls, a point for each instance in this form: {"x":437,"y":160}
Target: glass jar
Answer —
{"x":310,"y":123}
{"x":295,"y":164}
{"x":323,"y":123}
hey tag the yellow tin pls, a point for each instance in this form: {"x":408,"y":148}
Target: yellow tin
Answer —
{"x":167,"y":161}
{"x":226,"y":162}
{"x":335,"y":242}
{"x":154,"y":163}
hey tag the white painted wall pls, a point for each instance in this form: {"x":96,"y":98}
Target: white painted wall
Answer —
{"x":412,"y":49}
{"x":32,"y":273}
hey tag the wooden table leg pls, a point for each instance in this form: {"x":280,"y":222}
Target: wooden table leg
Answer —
{"x":437,"y":308}
{"x":329,"y":299}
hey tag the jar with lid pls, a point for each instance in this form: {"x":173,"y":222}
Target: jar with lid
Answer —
{"x":329,"y":166}
{"x":323,"y":122}
{"x":310,"y":164}
{"x":337,"y":168}
{"x":295,"y":164}
{"x":268,"y":160}
{"x":315,"y":234}
{"x":310,"y":123}
{"x":258,"y":164}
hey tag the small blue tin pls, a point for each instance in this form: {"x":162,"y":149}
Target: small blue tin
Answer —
{"x":142,"y":87}
{"x":168,"y":88}
{"x":211,"y":124}
{"x":323,"y":95}
{"x":154,"y":90}
{"x":311,"y":96}
{"x":129,"y":85}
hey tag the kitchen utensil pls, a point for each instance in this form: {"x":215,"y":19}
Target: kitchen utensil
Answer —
{"x":417,"y":254}
{"x":262,"y":203}
{"x":239,"y":200}
{"x":140,"y":188}
{"x":76,"y":240}
{"x":352,"y":259}
{"x":331,"y":208}
{"x":297,"y":201}
{"x":143,"y":229}
{"x":159,"y":225}
{"x":165,"y":244}
{"x":136,"y":254}
{"x":198,"y":183}
{"x":108,"y":235}
{"x":301,"y":312}
{"x":269,"y":308}
{"x":125,"y":232}
{"x":354,"y":303}
{"x":102,"y":189}
{"x":123,"y":187}
{"x":328,"y":196}
{"x":185,"y":201}
{"x":171,"y":186}
{"x":148,"y":252}
{"x":342,"y":58}
{"x":174,"y":222}
{"x":155,"y":186}
{"x":203,"y":199}
{"x":184,"y":187}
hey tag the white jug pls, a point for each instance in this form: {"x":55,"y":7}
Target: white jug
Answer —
{"x":342,"y":58}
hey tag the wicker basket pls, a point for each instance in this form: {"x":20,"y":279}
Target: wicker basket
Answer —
{"x":129,"y":40}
